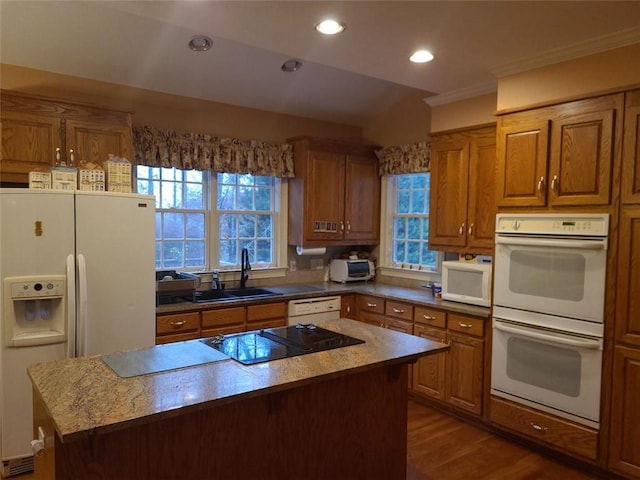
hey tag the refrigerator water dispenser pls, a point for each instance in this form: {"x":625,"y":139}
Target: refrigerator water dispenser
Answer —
{"x":35,"y":310}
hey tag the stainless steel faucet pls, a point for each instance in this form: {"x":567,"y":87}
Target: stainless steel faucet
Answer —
{"x":245,"y":267}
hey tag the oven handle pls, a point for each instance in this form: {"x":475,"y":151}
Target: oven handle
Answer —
{"x":595,"y":344}
{"x":546,"y":242}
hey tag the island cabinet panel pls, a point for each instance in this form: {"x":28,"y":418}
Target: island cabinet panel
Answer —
{"x":349,"y":427}
{"x":334,"y":198}
{"x":222,"y":321}
{"x":462,"y":190}
{"x":270,"y":315}
{"x":631,"y":149}
{"x":177,"y":327}
{"x":624,"y":454}
{"x":562,"y":155}
{"x":545,"y":429}
{"x":34,"y":127}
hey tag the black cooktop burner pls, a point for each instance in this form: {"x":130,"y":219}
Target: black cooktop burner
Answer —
{"x":275,"y":343}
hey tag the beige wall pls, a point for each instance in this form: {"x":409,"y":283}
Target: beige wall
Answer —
{"x":464,"y":113}
{"x":577,"y":78}
{"x":172,"y":112}
{"x":405,"y":123}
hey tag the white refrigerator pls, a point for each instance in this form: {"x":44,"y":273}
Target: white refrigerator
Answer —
{"x":77,"y":273}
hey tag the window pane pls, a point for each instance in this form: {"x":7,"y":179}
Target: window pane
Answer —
{"x":228,"y":226}
{"x":417,"y":201}
{"x":414,"y":230}
{"x":264,"y":251}
{"x":263,"y":199}
{"x":264,"y":226}
{"x":226,"y":197}
{"x":173,"y":225}
{"x":193,"y":196}
{"x":173,"y":254}
{"x":402,"y":205}
{"x":195,"y":225}
{"x":399,"y":228}
{"x":247,"y":226}
{"x":228,"y":252}
{"x":195,"y":253}
{"x":193,"y":176}
{"x":413,"y":252}
{"x":245,"y":198}
{"x":398,"y":252}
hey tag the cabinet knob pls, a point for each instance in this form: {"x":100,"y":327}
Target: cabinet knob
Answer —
{"x":178,"y":323}
{"x":541,"y":186}
{"x":72,"y":158}
{"x":398,"y":310}
{"x":464,"y":325}
{"x":348,"y":309}
{"x":428,"y":317}
{"x":461,"y":230}
{"x":372,"y":305}
{"x":555,"y":184}
{"x":342,"y":226}
{"x":348,"y":227}
{"x":470,"y":230}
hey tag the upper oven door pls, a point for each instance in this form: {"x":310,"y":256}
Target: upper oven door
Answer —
{"x":558,"y":276}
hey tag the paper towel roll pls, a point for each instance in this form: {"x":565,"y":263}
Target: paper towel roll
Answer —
{"x":318,"y":251}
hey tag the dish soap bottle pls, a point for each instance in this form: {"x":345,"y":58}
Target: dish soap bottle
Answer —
{"x":215,"y":280}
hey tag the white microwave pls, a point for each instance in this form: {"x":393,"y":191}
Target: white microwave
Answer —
{"x":467,"y":282}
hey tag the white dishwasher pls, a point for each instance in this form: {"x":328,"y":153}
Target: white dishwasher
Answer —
{"x":309,"y":310}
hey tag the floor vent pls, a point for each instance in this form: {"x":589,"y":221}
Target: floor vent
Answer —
{"x":17,"y":466}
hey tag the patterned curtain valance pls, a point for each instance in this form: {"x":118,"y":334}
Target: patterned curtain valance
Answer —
{"x":198,"y":151}
{"x":414,"y":158}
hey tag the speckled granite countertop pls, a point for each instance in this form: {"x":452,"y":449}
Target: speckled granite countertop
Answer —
{"x":420,"y":296}
{"x":84,"y":396}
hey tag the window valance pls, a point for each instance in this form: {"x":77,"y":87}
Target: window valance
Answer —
{"x":413,"y":158}
{"x":156,"y":148}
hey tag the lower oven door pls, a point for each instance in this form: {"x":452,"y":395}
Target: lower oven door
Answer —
{"x":557,"y":372}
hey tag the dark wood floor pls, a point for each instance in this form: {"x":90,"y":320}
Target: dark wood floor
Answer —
{"x":441,"y":447}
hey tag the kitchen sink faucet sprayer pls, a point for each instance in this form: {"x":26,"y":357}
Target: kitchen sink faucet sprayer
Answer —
{"x":245,"y":267}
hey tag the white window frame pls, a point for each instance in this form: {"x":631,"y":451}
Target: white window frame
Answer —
{"x":386,"y":244}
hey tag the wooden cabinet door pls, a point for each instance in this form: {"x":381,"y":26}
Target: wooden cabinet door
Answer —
{"x":29,"y":142}
{"x":465,"y":372}
{"x":630,"y":190}
{"x":324,"y":197}
{"x":429,"y":371}
{"x":481,"y":207}
{"x":94,"y":141}
{"x":348,"y":306}
{"x":581,"y":158}
{"x":628,"y":285}
{"x":362,"y":199}
{"x":624,"y":454}
{"x":522,"y":151}
{"x":449,"y":189}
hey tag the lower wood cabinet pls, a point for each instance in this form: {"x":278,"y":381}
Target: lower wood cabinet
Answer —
{"x":624,"y":439}
{"x":454,"y":377}
{"x":545,"y":428}
{"x":222,"y":321}
{"x":348,"y":306}
{"x":177,"y":327}
{"x":270,"y":315}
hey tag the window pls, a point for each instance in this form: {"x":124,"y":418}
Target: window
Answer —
{"x":408,"y":215}
{"x":203,"y":221}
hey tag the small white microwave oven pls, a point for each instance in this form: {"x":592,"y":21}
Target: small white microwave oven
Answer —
{"x":467,"y":282}
{"x":348,"y":270}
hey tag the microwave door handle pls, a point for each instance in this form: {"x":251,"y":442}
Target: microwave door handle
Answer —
{"x":546,"y":242}
{"x":549,"y":338}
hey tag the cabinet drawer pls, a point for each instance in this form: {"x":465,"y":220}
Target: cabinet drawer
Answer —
{"x":271,"y":323}
{"x":223,"y":317}
{"x":398,"y":325}
{"x":400,"y":310}
{"x":371,"y":318}
{"x":367,"y":303}
{"x":463,"y":324}
{"x":179,"y":337}
{"x":559,"y":433}
{"x":256,"y":313}
{"x":427,"y":316}
{"x":180,"y":323}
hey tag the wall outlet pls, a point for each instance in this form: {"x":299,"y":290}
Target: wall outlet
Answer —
{"x":292,"y":265}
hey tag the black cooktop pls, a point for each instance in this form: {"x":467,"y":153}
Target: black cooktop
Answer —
{"x":275,"y":343}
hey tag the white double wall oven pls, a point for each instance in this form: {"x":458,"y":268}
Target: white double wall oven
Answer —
{"x":548,"y":312}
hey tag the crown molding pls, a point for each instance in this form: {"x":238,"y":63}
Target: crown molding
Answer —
{"x":462,"y":94}
{"x":576,"y":50}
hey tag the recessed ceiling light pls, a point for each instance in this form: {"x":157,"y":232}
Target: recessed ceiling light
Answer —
{"x":291,"y":65}
{"x":330,"y":27}
{"x":421,"y":56}
{"x":200,"y":43}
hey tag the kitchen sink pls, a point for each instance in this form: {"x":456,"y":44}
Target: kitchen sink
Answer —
{"x":233,"y":294}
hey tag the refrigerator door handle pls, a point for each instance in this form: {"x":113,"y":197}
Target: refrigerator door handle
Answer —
{"x":82,"y":306}
{"x":71,"y":311}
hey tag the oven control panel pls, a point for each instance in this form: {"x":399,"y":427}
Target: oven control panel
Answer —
{"x":553,"y":224}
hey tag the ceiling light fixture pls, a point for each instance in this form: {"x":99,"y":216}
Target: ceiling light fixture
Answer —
{"x":421,"y":56}
{"x":200,"y":43}
{"x":330,"y":27}
{"x":291,"y":65}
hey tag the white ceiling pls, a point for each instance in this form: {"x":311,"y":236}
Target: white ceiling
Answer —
{"x":345,"y":78}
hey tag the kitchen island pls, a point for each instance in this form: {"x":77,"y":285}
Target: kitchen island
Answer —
{"x":338,"y":413}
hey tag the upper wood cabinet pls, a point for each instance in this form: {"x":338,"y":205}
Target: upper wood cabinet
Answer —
{"x":559,"y":156}
{"x":334,"y":198}
{"x":33,"y":128}
{"x":462,"y":191}
{"x":631,"y":149}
